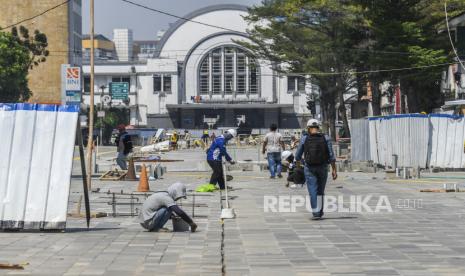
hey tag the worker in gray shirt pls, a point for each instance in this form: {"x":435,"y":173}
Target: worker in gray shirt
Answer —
{"x":158,"y":207}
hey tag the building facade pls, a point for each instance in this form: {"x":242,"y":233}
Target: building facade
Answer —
{"x":104,"y":48}
{"x":145,"y":49}
{"x":201,"y":77}
{"x":63,"y":28}
{"x":123,"y":39}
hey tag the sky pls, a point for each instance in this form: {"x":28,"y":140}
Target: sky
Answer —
{"x":113,"y":14}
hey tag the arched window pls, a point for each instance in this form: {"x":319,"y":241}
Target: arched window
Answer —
{"x":228,"y":70}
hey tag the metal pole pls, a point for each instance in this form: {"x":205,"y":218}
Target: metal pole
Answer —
{"x":90,"y":141}
{"x":83,"y":169}
{"x":96,"y":147}
{"x":113,"y":204}
{"x":193,"y":204}
{"x":101,"y":131}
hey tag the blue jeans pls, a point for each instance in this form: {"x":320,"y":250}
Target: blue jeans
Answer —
{"x":316,"y":177}
{"x":274,"y":163}
{"x":121,"y":160}
{"x":159,"y":219}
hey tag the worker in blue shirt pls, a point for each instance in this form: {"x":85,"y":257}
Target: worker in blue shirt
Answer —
{"x":215,"y":157}
{"x":318,"y":153}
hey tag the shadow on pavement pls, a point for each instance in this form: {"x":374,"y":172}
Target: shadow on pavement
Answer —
{"x":326,"y":218}
{"x":84,"y":229}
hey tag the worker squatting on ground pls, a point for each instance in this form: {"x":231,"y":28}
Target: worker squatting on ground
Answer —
{"x":318,"y":153}
{"x":215,"y":157}
{"x":158,"y":208}
{"x":273,"y":144}
{"x":295,"y":174}
{"x":124,"y":147}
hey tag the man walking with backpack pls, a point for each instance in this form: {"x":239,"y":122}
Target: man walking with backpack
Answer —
{"x":124,"y":147}
{"x":318,"y":154}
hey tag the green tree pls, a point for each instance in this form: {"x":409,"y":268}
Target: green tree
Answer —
{"x":311,"y":36}
{"x":406,"y":34}
{"x":13,"y":72}
{"x":113,"y":117}
{"x":19,"y":53}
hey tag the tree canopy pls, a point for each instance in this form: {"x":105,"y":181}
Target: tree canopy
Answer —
{"x":347,"y":45}
{"x":13,"y":72}
{"x":19,"y":53}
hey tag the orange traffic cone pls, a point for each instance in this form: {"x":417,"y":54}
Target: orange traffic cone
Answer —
{"x":131,"y":174}
{"x":143,"y":180}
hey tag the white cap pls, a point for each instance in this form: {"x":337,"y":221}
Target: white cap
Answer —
{"x":233,"y":132}
{"x":285,"y":154}
{"x":313,"y":123}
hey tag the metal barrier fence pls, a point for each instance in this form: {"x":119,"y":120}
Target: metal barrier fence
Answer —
{"x":35,"y":165}
{"x":360,"y":150}
{"x":410,"y":140}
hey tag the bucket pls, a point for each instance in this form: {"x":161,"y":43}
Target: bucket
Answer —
{"x":179,"y":225}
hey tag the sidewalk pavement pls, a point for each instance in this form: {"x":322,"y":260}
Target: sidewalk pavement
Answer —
{"x":426,"y":239}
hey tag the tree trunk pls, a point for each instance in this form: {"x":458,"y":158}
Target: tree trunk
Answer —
{"x":375,"y":98}
{"x":324,"y":115}
{"x":360,"y":85}
{"x":331,"y":119}
{"x":328,"y":105}
{"x":412,"y":98}
{"x":343,"y":114}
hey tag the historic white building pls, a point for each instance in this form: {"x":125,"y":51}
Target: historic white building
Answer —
{"x":201,"y":76}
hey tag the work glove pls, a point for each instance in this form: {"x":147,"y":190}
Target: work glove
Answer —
{"x":193,"y":227}
{"x":232,"y":162}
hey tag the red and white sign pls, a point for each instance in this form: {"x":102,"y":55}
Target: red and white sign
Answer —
{"x":73,"y":79}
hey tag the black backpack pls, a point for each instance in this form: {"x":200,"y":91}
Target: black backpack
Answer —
{"x":316,"y":150}
{"x":127,"y":141}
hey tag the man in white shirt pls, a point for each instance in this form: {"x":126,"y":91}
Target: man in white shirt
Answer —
{"x":273,"y":145}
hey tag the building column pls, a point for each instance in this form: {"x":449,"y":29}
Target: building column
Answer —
{"x":229,"y":118}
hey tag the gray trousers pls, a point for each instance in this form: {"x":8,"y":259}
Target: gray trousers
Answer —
{"x":121,"y":160}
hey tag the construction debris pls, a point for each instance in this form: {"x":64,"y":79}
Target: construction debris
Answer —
{"x":13,"y":266}
{"x":78,"y":214}
{"x":113,"y":175}
{"x":447,"y":188}
{"x":92,"y":215}
{"x":157,"y":147}
{"x":440,"y":191}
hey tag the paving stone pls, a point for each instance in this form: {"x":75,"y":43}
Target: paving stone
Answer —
{"x":424,"y":241}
